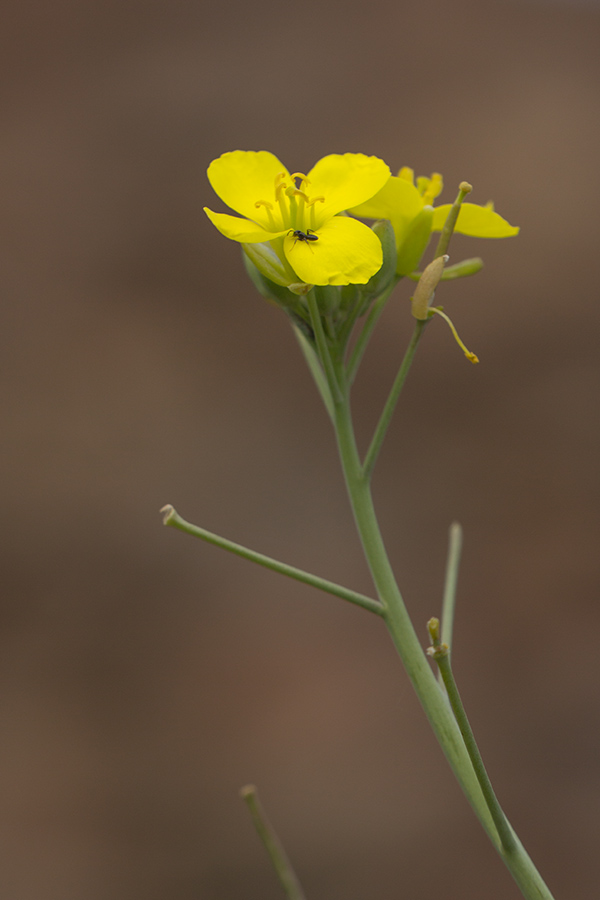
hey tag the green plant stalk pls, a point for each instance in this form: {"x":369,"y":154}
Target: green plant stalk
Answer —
{"x":452,"y":565}
{"x":171,"y":517}
{"x":413,"y":657}
{"x":367,"y":330}
{"x":390,"y":404}
{"x":442,"y":658}
{"x":274,"y":847}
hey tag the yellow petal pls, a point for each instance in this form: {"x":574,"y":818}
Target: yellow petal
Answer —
{"x":344,"y":181}
{"x":412,"y":247}
{"x":476,"y":221}
{"x":243,"y":177}
{"x":399,"y":201}
{"x":240,"y":229}
{"x":346,"y":252}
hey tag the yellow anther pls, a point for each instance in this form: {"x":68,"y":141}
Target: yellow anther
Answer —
{"x":266,"y":203}
{"x":300,"y":175}
{"x":279,"y":190}
{"x":490,"y":205}
{"x":468,"y":353}
{"x":315,"y":200}
{"x":294,"y":192}
{"x":433,"y":189}
{"x":281,"y":176}
{"x":407,"y":174}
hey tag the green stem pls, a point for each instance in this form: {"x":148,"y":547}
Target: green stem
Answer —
{"x":172,"y":518}
{"x":507,"y":837}
{"x":390,"y":405}
{"x":367,"y":330}
{"x":312,"y":361}
{"x":273,"y":845}
{"x":323,"y":346}
{"x":452,"y":564}
{"x":448,"y":227}
{"x":398,"y":621}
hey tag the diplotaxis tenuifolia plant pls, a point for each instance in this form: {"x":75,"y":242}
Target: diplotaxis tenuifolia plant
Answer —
{"x":307,"y":252}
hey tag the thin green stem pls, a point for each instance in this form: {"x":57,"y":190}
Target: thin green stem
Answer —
{"x":316,"y":370}
{"x":507,"y":837}
{"x":455,"y":539}
{"x":323,"y":346}
{"x":281,"y":864}
{"x":448,"y":227}
{"x":367,"y":330}
{"x":172,"y":518}
{"x":435,"y":704}
{"x":390,"y":405}
{"x":351,"y":317}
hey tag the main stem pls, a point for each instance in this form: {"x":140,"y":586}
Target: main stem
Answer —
{"x":415,"y":662}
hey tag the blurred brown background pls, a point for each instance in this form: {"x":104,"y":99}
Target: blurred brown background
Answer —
{"x":146,"y":677}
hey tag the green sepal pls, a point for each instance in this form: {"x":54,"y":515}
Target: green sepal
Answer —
{"x":274,"y":293}
{"x":381,"y":280}
{"x":269,"y":264}
{"x":415,"y":243}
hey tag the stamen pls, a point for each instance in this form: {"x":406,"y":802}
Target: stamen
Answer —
{"x":422,"y":184}
{"x":293,"y":206}
{"x":301,"y":176}
{"x":468,"y":353}
{"x":433,"y":189}
{"x":302,"y":199}
{"x":407,"y":174}
{"x":315,"y":200}
{"x":268,"y":207}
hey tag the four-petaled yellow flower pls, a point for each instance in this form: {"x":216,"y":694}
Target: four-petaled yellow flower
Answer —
{"x":339,"y":250}
{"x":409,"y":208}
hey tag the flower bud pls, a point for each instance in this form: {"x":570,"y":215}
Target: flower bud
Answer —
{"x":462,"y":269}
{"x":269,"y":263}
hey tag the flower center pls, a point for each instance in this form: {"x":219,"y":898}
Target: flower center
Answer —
{"x":294,"y":204}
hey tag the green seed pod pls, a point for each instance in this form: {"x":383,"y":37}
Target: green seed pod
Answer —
{"x":425,"y":289}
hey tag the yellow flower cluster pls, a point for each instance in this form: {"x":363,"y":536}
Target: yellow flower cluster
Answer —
{"x":303,"y":218}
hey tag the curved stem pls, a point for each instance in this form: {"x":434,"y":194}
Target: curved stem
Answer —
{"x":415,"y":662}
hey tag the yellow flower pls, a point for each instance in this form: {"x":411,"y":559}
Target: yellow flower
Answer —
{"x":300,"y":214}
{"x":409,"y":208}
